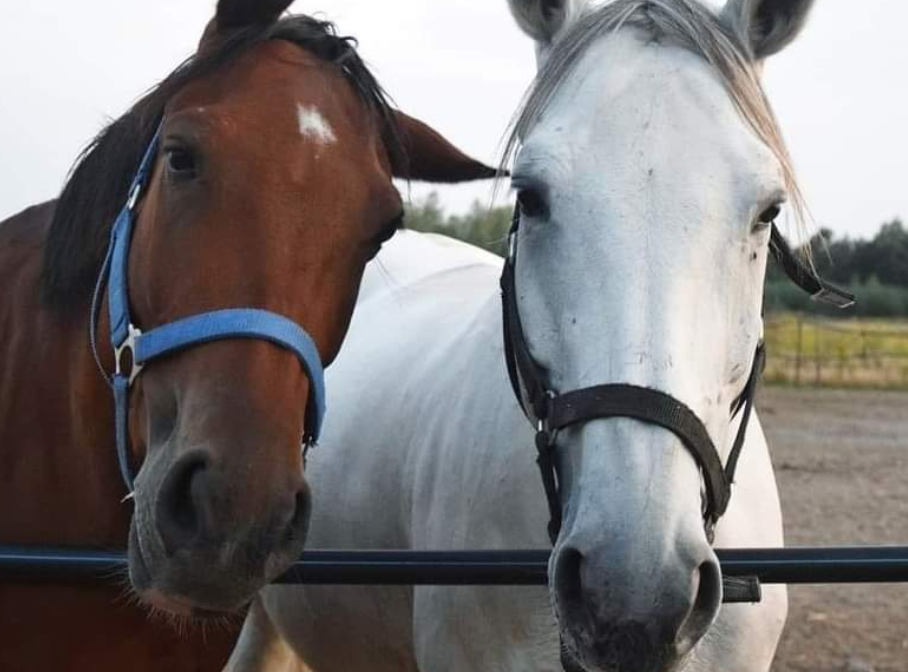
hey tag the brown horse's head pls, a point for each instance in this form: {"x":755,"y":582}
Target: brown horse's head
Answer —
{"x":272,"y":189}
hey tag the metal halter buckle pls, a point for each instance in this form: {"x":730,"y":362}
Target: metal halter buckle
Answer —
{"x":834,"y":297}
{"x":308,"y":443}
{"x":134,"y":196}
{"x":543,"y":428}
{"x":128,"y":345}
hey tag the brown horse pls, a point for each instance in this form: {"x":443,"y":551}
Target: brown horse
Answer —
{"x":272,"y":189}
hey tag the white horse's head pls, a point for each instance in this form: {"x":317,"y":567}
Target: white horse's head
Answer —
{"x":650,"y":168}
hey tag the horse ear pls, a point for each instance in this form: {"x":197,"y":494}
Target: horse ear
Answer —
{"x":542,"y":19}
{"x":232,"y":14}
{"x":767,"y":26}
{"x":427,"y":156}
{"x":241,"y":13}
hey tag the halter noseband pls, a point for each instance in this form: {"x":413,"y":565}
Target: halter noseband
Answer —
{"x":133,"y":348}
{"x":551,"y":412}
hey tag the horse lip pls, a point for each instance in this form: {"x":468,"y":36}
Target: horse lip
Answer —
{"x":178,"y":606}
{"x":139,"y":574}
{"x":142,"y":582}
{"x":570,"y":655}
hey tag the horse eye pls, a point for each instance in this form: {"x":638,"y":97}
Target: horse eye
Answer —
{"x":768,"y":216}
{"x":532,"y":203}
{"x":180,"y":162}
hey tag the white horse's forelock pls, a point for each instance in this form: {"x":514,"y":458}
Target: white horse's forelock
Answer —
{"x":687,"y":23}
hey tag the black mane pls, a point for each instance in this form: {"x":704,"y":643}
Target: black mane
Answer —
{"x":96,"y":188}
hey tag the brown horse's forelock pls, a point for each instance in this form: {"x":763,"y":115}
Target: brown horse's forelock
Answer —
{"x":97,"y":186}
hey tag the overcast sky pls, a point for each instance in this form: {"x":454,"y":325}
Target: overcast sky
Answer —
{"x":66,"y":66}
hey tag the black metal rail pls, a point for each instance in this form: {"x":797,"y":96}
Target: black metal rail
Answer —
{"x":867,"y":564}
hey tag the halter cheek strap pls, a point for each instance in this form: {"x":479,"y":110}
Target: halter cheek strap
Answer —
{"x":551,"y":412}
{"x":133,"y":348}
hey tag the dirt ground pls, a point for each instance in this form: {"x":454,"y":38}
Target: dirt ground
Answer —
{"x":841,"y":458}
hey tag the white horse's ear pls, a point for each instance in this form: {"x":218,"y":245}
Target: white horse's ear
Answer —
{"x":542,"y":19}
{"x":767,"y":26}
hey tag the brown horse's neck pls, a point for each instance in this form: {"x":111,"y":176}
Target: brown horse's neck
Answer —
{"x":59,"y":482}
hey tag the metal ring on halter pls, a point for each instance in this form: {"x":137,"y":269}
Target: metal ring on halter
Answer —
{"x":129,"y":345}
{"x":543,"y":426}
{"x":134,"y":196}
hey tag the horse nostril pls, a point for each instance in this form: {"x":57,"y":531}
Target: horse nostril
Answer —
{"x":179,"y":520}
{"x":569,"y":583}
{"x":708,"y":600}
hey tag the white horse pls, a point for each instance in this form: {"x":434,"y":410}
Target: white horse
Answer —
{"x":649,"y":169}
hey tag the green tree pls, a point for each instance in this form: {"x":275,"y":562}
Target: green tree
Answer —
{"x":426,"y":215}
{"x":890,"y":254}
{"x":481,"y":226}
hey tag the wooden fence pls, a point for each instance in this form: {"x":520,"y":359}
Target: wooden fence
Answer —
{"x":807,"y":351}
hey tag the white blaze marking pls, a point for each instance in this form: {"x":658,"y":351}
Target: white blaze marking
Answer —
{"x":314,"y":125}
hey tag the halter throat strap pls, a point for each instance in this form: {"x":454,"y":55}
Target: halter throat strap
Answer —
{"x":133,"y":348}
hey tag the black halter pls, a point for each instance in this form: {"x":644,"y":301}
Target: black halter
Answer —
{"x":551,"y":412}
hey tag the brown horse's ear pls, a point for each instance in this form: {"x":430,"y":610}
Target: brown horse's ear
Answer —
{"x":211,"y":31}
{"x":241,"y":13}
{"x":429,"y":157}
{"x":232,"y":14}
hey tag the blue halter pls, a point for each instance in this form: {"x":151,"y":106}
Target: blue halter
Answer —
{"x":141,"y":348}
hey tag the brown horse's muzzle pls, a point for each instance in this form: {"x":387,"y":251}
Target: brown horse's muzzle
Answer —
{"x":198,"y":544}
{"x":222,"y":505}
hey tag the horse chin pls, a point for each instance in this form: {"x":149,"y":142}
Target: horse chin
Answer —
{"x":168,"y":585}
{"x":624,"y":648}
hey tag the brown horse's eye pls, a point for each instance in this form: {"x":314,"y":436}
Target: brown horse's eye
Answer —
{"x":181,"y":162}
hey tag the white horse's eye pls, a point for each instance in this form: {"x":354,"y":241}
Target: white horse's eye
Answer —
{"x":768,"y":216}
{"x":532,"y":203}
